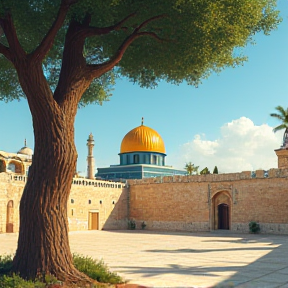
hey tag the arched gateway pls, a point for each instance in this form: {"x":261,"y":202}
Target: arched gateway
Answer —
{"x":221,"y":211}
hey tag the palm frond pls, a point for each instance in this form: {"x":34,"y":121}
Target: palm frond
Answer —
{"x":280,"y":127}
{"x":280,"y":117}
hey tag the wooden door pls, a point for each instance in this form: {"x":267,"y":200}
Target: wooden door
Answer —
{"x":9,"y":217}
{"x":93,"y":221}
{"x":223,"y":216}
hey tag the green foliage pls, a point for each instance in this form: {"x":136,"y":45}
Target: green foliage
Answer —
{"x":283,"y":117}
{"x":254,"y":227}
{"x":15,"y":281}
{"x":131,"y":225}
{"x":191,"y":169}
{"x":196,"y":38}
{"x":95,"y":269}
{"x":204,"y":171}
{"x":5,"y":263}
{"x":215,"y":171}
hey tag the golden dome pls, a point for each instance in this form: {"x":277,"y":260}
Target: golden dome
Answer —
{"x":142,"y":139}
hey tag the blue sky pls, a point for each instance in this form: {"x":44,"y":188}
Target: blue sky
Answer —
{"x":223,"y":122}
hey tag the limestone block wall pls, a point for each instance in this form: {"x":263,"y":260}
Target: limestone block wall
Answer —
{"x":107,"y":200}
{"x":190,"y":203}
{"x":11,"y":188}
{"x":183,"y":203}
{"x":170,"y":206}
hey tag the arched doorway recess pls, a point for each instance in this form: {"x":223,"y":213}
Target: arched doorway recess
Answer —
{"x":223,"y":216}
{"x":221,"y":211}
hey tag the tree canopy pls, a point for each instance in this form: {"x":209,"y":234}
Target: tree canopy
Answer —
{"x":177,"y":40}
{"x":205,"y":171}
{"x":191,"y":168}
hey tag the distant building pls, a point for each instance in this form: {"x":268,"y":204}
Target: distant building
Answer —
{"x":142,"y":155}
{"x":16,"y":162}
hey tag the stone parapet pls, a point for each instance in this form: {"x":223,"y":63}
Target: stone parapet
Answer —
{"x":12,"y":177}
{"x":245,"y":175}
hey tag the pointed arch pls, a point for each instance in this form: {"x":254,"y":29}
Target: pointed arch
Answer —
{"x":221,"y":211}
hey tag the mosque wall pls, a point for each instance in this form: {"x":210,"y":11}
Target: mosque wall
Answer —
{"x":194,"y":203}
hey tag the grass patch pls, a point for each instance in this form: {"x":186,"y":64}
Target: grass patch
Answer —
{"x":95,"y":269}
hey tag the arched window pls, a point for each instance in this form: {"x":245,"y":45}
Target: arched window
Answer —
{"x":136,"y":159}
{"x":16,"y":167}
{"x":11,"y":167}
{"x":147,"y":159}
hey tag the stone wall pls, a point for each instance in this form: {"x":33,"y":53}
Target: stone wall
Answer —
{"x":190,"y":203}
{"x":107,"y":199}
{"x":174,"y":203}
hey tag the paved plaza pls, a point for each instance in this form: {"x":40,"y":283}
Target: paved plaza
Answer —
{"x":167,"y":259}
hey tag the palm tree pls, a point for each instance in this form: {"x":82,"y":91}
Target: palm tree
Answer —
{"x":191,"y":169}
{"x":283,"y":117}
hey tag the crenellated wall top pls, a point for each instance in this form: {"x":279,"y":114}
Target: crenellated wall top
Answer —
{"x":12,"y":177}
{"x":245,"y":175}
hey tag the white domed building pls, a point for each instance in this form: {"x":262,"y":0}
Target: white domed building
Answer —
{"x":18,"y":163}
{"x":142,"y":155}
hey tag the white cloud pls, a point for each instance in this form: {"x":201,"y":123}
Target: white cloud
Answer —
{"x":242,"y":146}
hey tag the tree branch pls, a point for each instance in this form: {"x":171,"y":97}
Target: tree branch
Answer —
{"x":97,"y":70}
{"x":10,"y":32}
{"x":145,"y":23}
{"x":5,"y":51}
{"x":93,"y":31}
{"x":40,"y":52}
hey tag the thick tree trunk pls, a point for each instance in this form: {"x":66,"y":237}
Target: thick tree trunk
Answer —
{"x":43,"y":244}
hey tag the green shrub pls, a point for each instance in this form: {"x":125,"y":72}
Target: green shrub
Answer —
{"x":254,"y":227}
{"x":131,"y":225}
{"x":15,"y":281}
{"x":96,"y":269}
{"x":5,"y":263}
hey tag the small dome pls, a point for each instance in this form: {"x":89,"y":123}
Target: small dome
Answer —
{"x":142,"y":139}
{"x":25,"y":151}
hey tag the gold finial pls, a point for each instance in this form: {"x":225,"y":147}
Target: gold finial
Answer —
{"x":142,"y":122}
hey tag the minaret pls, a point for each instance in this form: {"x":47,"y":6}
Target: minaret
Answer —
{"x":90,"y":158}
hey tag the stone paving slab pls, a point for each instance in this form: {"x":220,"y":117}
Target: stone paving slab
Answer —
{"x":167,"y":259}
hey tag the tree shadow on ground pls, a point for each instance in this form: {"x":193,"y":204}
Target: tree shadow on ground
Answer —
{"x":270,"y":270}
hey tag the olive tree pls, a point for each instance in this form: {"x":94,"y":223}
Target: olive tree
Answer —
{"x":59,"y":54}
